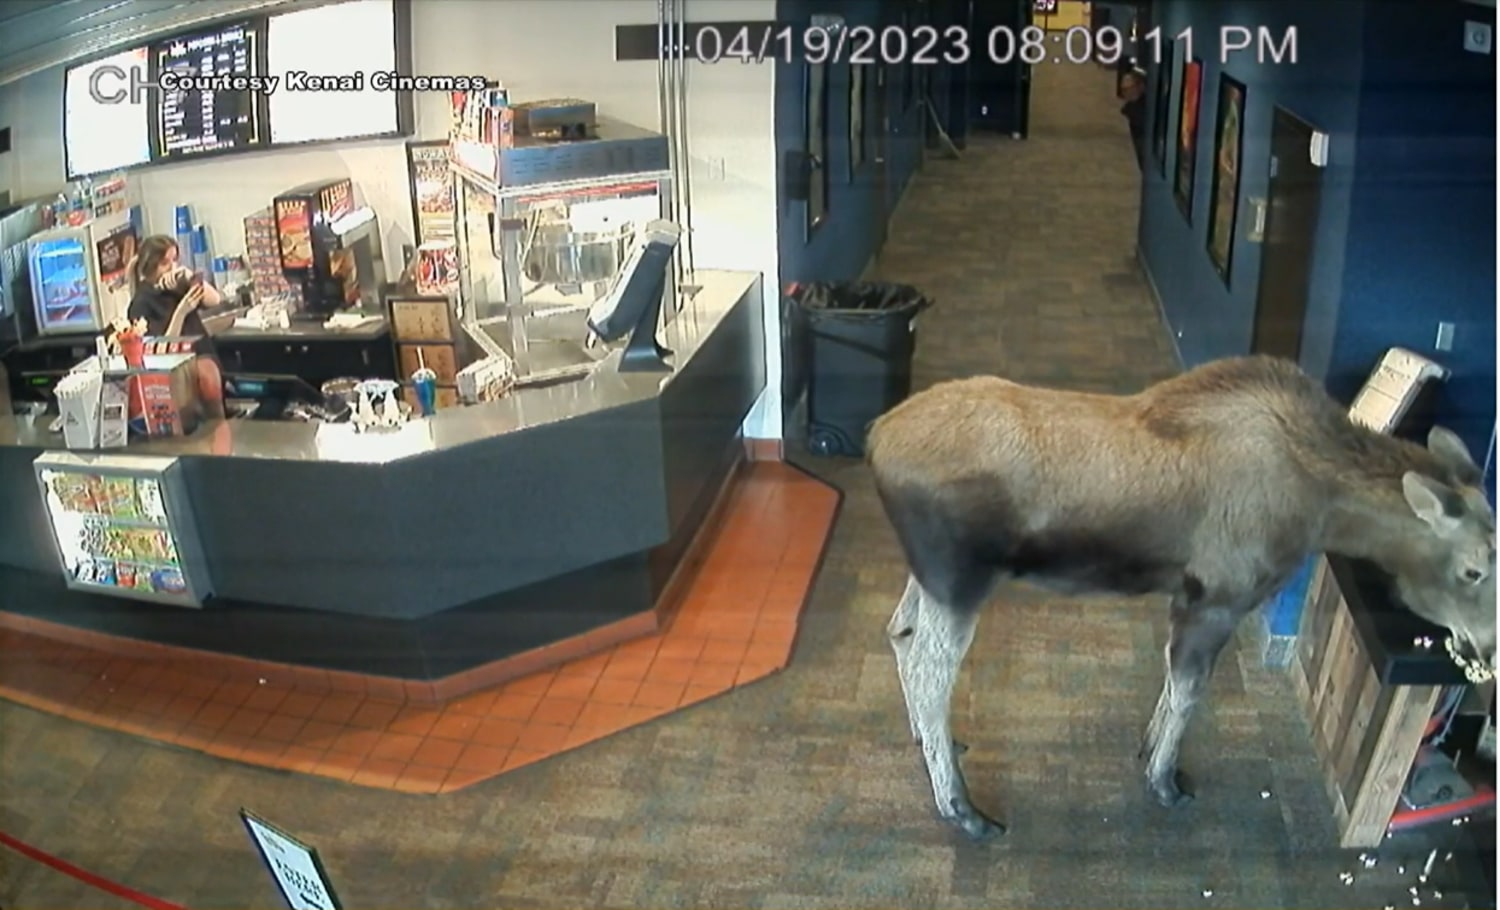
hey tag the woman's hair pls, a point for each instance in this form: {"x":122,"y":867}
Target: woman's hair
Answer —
{"x":148,"y":259}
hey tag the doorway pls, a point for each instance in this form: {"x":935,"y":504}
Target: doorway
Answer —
{"x":1291,"y":222}
{"x":879,"y":122}
{"x":999,"y":97}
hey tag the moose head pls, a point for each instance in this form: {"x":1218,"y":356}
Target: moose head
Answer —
{"x":1450,"y":580}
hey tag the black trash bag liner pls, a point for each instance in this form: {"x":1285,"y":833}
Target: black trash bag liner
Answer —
{"x":858,"y":299}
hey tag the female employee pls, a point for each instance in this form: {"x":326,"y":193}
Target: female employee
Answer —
{"x":167,"y":296}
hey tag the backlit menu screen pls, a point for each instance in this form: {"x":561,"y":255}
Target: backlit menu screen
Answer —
{"x":341,"y":39}
{"x":106,"y":125}
{"x":207,"y":100}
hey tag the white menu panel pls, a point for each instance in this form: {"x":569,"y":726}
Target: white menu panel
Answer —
{"x":349,"y":41}
{"x":103,"y":135}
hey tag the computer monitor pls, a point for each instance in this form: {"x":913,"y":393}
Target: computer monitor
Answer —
{"x":632,"y":306}
{"x":272,"y":392}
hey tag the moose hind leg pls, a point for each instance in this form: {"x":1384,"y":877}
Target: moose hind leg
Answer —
{"x":941,"y":637}
{"x":1198,"y":636}
{"x":900,"y":629}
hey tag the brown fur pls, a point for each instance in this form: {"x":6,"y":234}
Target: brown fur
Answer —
{"x":1211,"y":487}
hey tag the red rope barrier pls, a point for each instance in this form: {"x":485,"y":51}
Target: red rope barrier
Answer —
{"x":88,"y":878}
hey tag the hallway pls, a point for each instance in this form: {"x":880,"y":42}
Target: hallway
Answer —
{"x":803,"y":790}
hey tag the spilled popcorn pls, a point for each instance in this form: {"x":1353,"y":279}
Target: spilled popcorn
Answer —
{"x":1475,"y":671}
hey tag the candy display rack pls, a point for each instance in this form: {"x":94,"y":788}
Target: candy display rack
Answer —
{"x":123,"y":526}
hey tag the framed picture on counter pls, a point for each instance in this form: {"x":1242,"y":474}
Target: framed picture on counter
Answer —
{"x":1224,"y":200}
{"x":433,"y":209}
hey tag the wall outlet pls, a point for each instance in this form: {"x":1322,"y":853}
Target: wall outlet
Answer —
{"x":1444,"y":340}
{"x":1478,"y":38}
{"x":716,"y":168}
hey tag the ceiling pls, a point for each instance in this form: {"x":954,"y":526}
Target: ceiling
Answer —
{"x":44,"y":33}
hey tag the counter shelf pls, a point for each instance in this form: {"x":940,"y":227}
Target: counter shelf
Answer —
{"x":309,"y":351}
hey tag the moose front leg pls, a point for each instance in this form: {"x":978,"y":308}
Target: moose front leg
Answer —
{"x":1198,"y":636}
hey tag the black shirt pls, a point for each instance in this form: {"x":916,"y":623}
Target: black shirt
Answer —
{"x":156,"y":306}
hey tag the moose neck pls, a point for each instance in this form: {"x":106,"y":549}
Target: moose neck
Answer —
{"x":1368,"y":517}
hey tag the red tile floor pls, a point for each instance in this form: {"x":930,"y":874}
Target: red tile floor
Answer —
{"x":735,"y":625}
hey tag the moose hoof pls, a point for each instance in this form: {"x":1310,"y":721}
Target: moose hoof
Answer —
{"x":975,"y":825}
{"x":1172,"y":792}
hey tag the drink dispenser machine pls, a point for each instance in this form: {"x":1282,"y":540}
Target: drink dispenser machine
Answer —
{"x":329,"y":247}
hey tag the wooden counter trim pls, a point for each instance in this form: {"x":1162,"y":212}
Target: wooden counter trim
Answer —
{"x":1365,"y":734}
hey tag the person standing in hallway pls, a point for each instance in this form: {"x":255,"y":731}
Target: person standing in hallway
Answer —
{"x":1133,"y":91}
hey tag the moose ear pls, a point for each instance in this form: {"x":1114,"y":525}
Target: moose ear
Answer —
{"x":1445,"y":444}
{"x":1427,"y":499}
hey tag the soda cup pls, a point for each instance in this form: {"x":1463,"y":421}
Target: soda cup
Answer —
{"x":424,"y":383}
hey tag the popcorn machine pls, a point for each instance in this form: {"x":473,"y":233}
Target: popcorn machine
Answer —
{"x":545,"y":226}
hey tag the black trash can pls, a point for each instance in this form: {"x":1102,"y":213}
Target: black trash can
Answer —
{"x":851,"y":345}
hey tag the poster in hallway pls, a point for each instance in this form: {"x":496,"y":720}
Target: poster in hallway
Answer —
{"x":1224,"y":202}
{"x":1187,"y":136}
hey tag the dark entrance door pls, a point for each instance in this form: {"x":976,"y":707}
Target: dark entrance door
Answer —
{"x":999,"y":87}
{"x":1287,"y":250}
{"x":878,"y":102}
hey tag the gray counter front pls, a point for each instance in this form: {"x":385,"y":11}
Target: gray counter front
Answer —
{"x":456,"y":540}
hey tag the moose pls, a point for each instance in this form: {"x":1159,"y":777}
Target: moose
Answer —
{"x":1211,"y":488}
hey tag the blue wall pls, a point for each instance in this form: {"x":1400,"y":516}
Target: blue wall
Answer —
{"x":1209,"y":320}
{"x":840,"y":247}
{"x":1421,"y":242}
{"x":1406,"y":232}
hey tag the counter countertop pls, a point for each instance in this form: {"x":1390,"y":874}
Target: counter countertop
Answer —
{"x":301,"y":331}
{"x":524,"y":408}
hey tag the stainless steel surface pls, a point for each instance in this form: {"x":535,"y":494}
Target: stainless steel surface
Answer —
{"x":685,"y":253}
{"x":532,"y":164}
{"x":601,"y":389}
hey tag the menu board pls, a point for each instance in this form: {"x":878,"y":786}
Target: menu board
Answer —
{"x":352,"y":40}
{"x":106,"y":114}
{"x":219,"y":111}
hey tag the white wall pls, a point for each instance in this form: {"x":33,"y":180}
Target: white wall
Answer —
{"x":537,"y":49}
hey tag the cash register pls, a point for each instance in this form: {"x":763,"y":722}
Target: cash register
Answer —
{"x":269,"y":396}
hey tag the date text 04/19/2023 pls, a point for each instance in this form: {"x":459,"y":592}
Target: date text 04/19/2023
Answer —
{"x":929,"y":45}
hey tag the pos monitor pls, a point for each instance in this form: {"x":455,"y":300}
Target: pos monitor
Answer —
{"x":633,"y":304}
